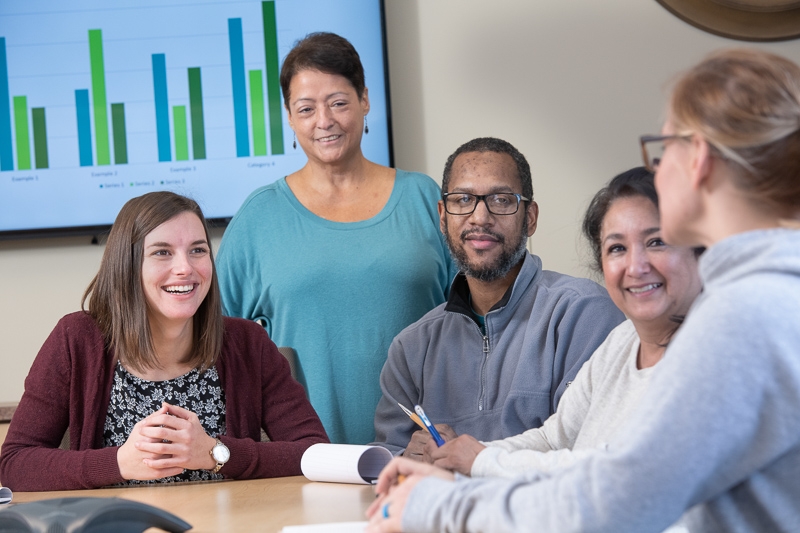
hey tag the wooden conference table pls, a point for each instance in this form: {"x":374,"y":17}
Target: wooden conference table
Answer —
{"x":236,"y":506}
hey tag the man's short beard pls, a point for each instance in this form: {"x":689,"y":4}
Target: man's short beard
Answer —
{"x":507,"y":260}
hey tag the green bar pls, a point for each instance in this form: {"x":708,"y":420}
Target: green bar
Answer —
{"x":181,"y":137}
{"x":120,"y":137}
{"x":22,"y":132}
{"x":273,"y":83}
{"x":99,"y":103}
{"x":196,"y":112}
{"x":39,"y":137}
{"x":257,"y":113}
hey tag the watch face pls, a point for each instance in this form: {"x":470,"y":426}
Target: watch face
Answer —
{"x":221,"y":453}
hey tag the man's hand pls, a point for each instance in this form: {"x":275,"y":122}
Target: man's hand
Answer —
{"x":420,"y":439}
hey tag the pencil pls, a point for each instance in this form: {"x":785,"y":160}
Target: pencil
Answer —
{"x":413,"y":416}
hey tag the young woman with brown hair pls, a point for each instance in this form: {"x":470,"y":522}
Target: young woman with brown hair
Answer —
{"x":151,"y":382}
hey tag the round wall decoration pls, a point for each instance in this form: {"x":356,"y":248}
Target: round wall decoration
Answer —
{"x":746,"y":20}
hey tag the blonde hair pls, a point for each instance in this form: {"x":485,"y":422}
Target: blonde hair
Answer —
{"x":746,"y":104}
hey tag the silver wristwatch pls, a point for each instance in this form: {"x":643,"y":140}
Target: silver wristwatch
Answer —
{"x":220,"y":453}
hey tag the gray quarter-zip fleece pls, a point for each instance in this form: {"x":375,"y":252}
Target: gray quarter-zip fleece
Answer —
{"x":510,"y":379}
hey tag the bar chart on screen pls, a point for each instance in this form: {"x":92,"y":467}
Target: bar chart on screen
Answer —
{"x":101,"y":101}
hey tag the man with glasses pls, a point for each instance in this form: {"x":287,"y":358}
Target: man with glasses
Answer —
{"x":494,"y":360}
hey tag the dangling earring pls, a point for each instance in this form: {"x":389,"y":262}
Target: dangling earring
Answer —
{"x":294,"y":142}
{"x":366,"y":126}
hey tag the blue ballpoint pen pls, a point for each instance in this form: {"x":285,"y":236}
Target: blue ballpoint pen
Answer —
{"x":432,"y":430}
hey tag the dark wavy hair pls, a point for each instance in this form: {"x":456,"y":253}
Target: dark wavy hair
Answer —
{"x":325,"y":52}
{"x":116,"y":299}
{"x":634,"y":182}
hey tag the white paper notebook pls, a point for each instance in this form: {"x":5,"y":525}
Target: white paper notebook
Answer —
{"x":339,"y":527}
{"x":344,"y":463}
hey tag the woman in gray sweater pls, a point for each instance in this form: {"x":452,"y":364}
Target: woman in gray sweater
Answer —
{"x":716,"y":437}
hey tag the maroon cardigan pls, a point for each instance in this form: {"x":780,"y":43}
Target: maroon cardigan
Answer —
{"x":69,"y":385}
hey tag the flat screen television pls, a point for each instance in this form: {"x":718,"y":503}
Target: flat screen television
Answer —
{"x":105,"y":100}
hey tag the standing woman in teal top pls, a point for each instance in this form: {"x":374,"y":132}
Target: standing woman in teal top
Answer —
{"x":338,"y":257}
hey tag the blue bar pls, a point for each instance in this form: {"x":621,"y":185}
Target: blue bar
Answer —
{"x":84,"y":127}
{"x":239,"y":90}
{"x":6,"y":150}
{"x":162,"y":106}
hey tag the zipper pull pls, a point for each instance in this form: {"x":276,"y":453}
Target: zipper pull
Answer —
{"x":485,"y":344}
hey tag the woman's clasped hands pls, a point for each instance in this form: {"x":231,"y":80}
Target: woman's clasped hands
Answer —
{"x":164,"y":444}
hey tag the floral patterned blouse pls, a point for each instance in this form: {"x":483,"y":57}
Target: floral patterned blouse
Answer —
{"x":133,"y":399}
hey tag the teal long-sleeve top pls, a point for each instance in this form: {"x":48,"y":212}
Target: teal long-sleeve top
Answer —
{"x":337,"y":292}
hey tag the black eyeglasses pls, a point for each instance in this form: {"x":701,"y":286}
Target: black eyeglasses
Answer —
{"x":652,"y":156}
{"x":464,"y":203}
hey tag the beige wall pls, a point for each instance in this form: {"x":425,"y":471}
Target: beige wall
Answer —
{"x":571,"y":83}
